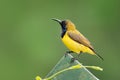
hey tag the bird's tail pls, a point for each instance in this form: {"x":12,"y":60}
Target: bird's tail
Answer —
{"x":99,"y":56}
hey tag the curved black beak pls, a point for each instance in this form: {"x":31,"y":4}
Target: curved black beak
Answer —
{"x":59,"y":21}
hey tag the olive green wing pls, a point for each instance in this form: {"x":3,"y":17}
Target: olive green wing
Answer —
{"x":78,"y":37}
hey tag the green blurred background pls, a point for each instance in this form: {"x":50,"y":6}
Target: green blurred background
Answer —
{"x":30,"y":42}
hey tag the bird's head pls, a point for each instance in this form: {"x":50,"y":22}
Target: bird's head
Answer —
{"x":65,"y":24}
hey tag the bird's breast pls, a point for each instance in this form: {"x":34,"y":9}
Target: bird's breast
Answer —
{"x":71,"y":44}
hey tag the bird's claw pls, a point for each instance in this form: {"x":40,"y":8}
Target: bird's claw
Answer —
{"x":72,"y":60}
{"x":68,"y":52}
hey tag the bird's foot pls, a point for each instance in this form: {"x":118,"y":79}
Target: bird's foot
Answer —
{"x":73,"y":59}
{"x":68,"y":52}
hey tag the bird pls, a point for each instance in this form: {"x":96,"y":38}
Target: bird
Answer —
{"x":74,"y":40}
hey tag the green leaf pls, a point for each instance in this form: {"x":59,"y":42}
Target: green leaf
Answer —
{"x":63,"y":71}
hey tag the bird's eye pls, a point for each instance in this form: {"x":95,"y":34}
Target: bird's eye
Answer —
{"x":63,"y":22}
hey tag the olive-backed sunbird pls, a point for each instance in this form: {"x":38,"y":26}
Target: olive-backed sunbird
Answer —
{"x":74,"y":40}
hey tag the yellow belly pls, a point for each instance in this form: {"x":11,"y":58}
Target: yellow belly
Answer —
{"x":75,"y":46}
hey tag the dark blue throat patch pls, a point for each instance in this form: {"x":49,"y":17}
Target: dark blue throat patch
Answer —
{"x":63,"y":26}
{"x":63,"y":32}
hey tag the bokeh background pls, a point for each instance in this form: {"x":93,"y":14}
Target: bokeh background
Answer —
{"x":30,"y":42}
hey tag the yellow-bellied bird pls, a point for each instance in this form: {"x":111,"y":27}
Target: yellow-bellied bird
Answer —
{"x":74,"y":40}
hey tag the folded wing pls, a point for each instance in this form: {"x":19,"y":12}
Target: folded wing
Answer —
{"x":78,"y":37}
